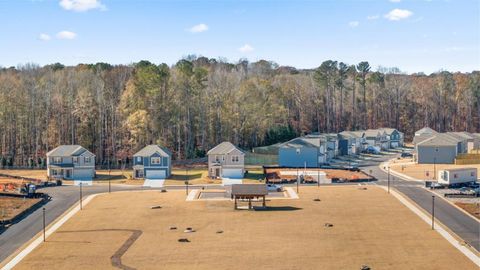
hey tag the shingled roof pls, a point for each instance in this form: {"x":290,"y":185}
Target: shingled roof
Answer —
{"x":249,"y":189}
{"x":440,"y":139}
{"x":223,"y":148}
{"x":303,"y":142}
{"x":68,"y":150}
{"x":149,"y":150}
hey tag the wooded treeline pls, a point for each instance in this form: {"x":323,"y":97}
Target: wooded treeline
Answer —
{"x":195,"y":104}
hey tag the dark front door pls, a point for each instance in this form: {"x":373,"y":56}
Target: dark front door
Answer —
{"x":68,"y":174}
{"x":217,"y":172}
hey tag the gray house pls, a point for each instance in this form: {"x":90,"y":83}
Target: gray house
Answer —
{"x":152,"y":162}
{"x":226,"y":161}
{"x":440,"y":148}
{"x":351,"y":142}
{"x":71,"y":162}
{"x":394,"y":137}
{"x":377,"y":138}
{"x":302,"y":151}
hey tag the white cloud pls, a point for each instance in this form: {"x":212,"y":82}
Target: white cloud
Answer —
{"x":395,"y":1}
{"x":66,"y":35}
{"x":198,"y":28}
{"x":82,"y":5}
{"x":44,"y":37}
{"x":373,"y":17}
{"x":353,"y":24}
{"x":246,"y":48}
{"x":398,"y":14}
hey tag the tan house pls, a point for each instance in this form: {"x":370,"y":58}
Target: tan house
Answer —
{"x":226,"y":161}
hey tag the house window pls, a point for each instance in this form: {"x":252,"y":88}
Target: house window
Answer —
{"x":139,"y":159}
{"x":155,"y":160}
{"x":57,"y":160}
{"x":75,"y":160}
{"x":87,"y":159}
{"x":455,"y":175}
{"x":472,"y":174}
{"x":234,"y":158}
{"x":54,"y":172}
{"x":217,"y":159}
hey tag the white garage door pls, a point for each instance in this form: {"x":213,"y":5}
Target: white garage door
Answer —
{"x":157,"y":174}
{"x":232,"y":173}
{"x":394,"y":144}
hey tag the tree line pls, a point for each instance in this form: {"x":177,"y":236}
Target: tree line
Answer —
{"x":115,"y":110}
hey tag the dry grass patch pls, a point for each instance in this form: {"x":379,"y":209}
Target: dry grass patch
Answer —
{"x":12,"y":206}
{"x":472,"y":208}
{"x":369,"y":227}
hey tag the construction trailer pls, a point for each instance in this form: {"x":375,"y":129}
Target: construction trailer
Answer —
{"x":457,"y":176}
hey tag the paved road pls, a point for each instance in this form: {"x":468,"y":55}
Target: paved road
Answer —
{"x":63,"y":197}
{"x":460,"y":223}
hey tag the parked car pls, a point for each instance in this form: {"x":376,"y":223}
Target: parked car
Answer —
{"x":273,"y":187}
{"x":371,"y":150}
{"x":406,"y":155}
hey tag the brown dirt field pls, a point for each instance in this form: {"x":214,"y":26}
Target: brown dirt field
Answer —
{"x":11,"y":206}
{"x":36,"y":174}
{"x":341,"y":174}
{"x":418,"y":171}
{"x":472,"y":208}
{"x":369,"y":227}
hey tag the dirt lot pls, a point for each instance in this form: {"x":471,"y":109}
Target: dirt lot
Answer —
{"x":369,"y":227}
{"x":472,"y":208}
{"x":340,"y":174}
{"x":12,"y":206}
{"x":419,"y":171}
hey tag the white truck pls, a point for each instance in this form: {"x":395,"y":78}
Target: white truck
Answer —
{"x":453,"y":177}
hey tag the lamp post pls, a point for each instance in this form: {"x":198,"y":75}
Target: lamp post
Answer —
{"x":44,"y":224}
{"x":298,"y":179}
{"x":186,"y":180}
{"x":109,"y":185}
{"x":433,"y":212}
{"x":435,"y":164}
{"x":388,"y":181}
{"x":81,"y":207}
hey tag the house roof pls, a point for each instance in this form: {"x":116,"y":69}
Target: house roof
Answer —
{"x":223,"y":148}
{"x":440,"y":139}
{"x":389,"y":131}
{"x":249,"y":189}
{"x":420,"y":138}
{"x":372,"y":132}
{"x":301,"y":142}
{"x":68,"y":150}
{"x":352,"y":134}
{"x":462,"y":135}
{"x":425,"y":130}
{"x":152,"y":149}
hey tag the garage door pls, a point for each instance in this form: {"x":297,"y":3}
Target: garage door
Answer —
{"x":83,"y":174}
{"x":156,"y":174}
{"x":232,"y":173}
{"x":394,"y":144}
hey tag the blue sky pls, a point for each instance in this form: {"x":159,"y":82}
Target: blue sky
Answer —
{"x":416,"y":36}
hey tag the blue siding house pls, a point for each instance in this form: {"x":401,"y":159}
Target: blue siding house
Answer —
{"x":302,"y":151}
{"x":152,"y":162}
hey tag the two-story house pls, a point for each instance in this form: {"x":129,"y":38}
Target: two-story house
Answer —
{"x":308,"y":151}
{"x":152,"y":162}
{"x":71,"y":162}
{"x":377,"y":138}
{"x":226,"y":161}
{"x":394,"y":137}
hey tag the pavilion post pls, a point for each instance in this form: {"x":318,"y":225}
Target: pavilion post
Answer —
{"x":264,"y":204}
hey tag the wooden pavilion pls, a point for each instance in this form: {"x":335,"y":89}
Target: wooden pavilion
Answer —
{"x":249,"y":192}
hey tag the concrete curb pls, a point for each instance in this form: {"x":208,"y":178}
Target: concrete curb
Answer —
{"x":466,"y":251}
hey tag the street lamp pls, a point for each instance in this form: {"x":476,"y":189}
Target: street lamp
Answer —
{"x":186,"y":180}
{"x":44,"y":224}
{"x":433,"y":212}
{"x":81,"y":196}
{"x":435,"y":164}
{"x":388,"y":181}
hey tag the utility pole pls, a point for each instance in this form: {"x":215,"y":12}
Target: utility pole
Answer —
{"x":44,"y":224}
{"x":433,"y":212}
{"x":109,"y":185}
{"x":318,"y":178}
